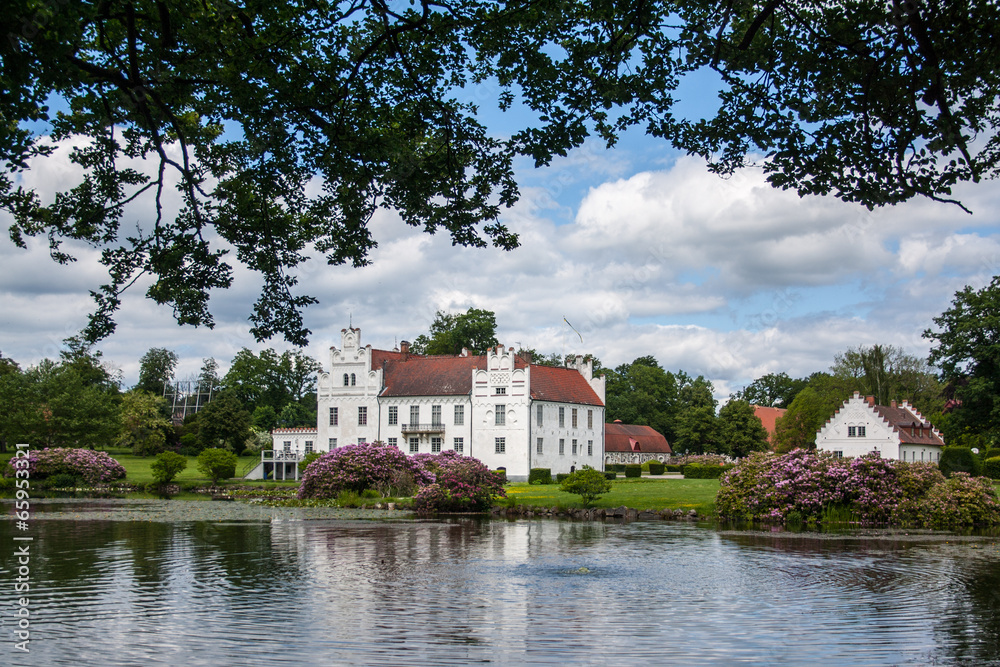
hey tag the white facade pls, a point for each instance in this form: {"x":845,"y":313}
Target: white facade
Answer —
{"x":896,"y":432}
{"x":481,"y":406}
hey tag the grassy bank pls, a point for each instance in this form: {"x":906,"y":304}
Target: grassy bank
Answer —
{"x":656,"y":494}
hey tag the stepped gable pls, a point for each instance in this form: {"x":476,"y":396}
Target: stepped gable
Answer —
{"x":620,"y":437}
{"x":561,"y":385}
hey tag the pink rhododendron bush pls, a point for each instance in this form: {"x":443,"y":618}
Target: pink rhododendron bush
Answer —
{"x":360,"y":467}
{"x":815,"y":487}
{"x":90,"y":466}
{"x":463,"y":484}
{"x":447,"y":482}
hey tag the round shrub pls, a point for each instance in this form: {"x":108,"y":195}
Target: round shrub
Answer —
{"x":167,"y":466}
{"x":960,"y":501}
{"x":358,"y":467}
{"x":587,"y":483}
{"x":656,"y":468}
{"x":633,"y":470}
{"x":90,"y":466}
{"x":463,"y":484}
{"x":217,"y":464}
{"x":958,"y":459}
{"x":540,"y":476}
{"x":991,"y":467}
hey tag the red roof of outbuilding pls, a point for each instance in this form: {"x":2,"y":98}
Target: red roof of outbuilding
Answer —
{"x":617,"y":439}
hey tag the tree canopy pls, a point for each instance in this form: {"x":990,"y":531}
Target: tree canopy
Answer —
{"x":474,"y":330}
{"x":284,"y":126}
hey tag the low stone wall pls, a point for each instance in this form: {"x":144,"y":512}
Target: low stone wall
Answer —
{"x":633,"y":457}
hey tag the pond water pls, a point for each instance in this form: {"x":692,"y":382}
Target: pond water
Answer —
{"x":289,"y":588}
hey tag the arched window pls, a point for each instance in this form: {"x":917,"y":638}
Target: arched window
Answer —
{"x":353,"y":379}
{"x":345,"y":379}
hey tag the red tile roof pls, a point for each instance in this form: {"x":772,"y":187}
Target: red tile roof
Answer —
{"x":912,"y":429}
{"x":768,"y":416}
{"x":633,"y":438}
{"x":561,"y":385}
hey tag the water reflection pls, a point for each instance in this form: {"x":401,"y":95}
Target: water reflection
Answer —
{"x":525,"y":592}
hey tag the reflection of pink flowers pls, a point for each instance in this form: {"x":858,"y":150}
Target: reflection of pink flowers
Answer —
{"x":90,"y":466}
{"x":769,"y":487}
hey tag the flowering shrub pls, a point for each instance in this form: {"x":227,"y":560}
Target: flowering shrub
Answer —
{"x":90,"y":466}
{"x":463,"y":484}
{"x":808,"y":484}
{"x":358,"y":467}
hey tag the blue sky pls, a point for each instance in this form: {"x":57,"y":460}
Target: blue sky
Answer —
{"x":643,"y":250}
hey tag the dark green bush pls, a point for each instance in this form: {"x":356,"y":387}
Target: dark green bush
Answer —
{"x":673,"y":468}
{"x":587,"y":483}
{"x":991,"y":453}
{"x":217,"y":464}
{"x":166,"y":466}
{"x":610,"y":474}
{"x":633,"y":470}
{"x":656,"y":468}
{"x":958,"y":459}
{"x":617,"y":467}
{"x":540,"y":476}
{"x":307,"y":459}
{"x":61,"y":481}
{"x":561,"y":477}
{"x":991,"y":467}
{"x":702,"y":471}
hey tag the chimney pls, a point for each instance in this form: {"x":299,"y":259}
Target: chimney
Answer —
{"x":870,"y":400}
{"x":892,"y":404}
{"x":404,"y":348}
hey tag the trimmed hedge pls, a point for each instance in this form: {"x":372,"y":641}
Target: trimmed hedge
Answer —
{"x":540,"y":476}
{"x":991,"y":453}
{"x":561,"y":477}
{"x":991,"y":467}
{"x":958,"y":459}
{"x":610,"y":474}
{"x":673,"y":468}
{"x":701,"y":471}
{"x":656,"y":468}
{"x":633,"y":470}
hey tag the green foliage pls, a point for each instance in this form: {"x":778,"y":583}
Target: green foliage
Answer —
{"x":740,"y":430}
{"x":610,"y":475}
{"x":967,"y":350}
{"x":474,"y":330}
{"x":991,"y":452}
{"x":772,"y":390}
{"x":223,"y":423}
{"x":674,"y":468}
{"x":808,"y":412}
{"x":959,"y":501}
{"x":273,"y":380}
{"x":703,"y":471}
{"x":143,"y":427}
{"x":561,"y":477}
{"x":307,"y":459}
{"x":168,"y":465}
{"x":61,"y":480}
{"x":889,"y":374}
{"x":633,"y":470}
{"x":540,"y":476}
{"x":991,"y":467}
{"x":588,"y":483}
{"x":217,"y":464}
{"x":156,"y":368}
{"x":958,"y":459}
{"x":656,"y":468}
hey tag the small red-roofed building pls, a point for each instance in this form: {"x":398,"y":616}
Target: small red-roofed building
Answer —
{"x":769,"y":417}
{"x":631,"y":443}
{"x":894,"y":431}
{"x":496,"y":407}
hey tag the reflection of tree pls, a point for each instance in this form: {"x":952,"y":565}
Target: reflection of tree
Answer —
{"x":971,"y":629}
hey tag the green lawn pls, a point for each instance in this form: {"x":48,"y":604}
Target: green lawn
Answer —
{"x":138,"y":472}
{"x":640,"y":494}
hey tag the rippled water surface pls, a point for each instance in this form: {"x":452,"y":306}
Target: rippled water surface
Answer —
{"x":276,"y":589}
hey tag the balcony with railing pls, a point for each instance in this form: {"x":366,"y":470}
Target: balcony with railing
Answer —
{"x":422,"y":428}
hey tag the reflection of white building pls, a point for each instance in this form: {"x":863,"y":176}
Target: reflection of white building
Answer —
{"x":497,"y":407}
{"x":894,"y":431}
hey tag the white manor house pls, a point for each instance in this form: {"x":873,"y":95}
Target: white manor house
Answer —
{"x":501,"y":409}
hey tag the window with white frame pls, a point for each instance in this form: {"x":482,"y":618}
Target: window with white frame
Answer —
{"x":590,"y":419}
{"x":837,"y":454}
{"x":459,"y":415}
{"x":459,"y":445}
{"x":332,"y":443}
{"x":287,"y":445}
{"x":562,"y":446}
{"x":590,"y":448}
{"x":500,"y":416}
{"x":538,"y":414}
{"x":347,"y":379}
{"x":573,"y":446}
{"x":562,"y":417}
{"x":538,"y":446}
{"x":334,"y":416}
{"x":855,"y":431}
{"x":362,"y":441}
{"x":501,"y":445}
{"x":309,"y":446}
{"x":499,"y":391}
{"x":436,"y":445}
{"x":436,"y":415}
{"x":414,"y":415}
{"x":393,"y":415}
{"x":414,"y":445}
{"x":353,"y":379}
{"x":362,"y":415}
{"x":394,"y":442}
{"x":573,"y":417}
